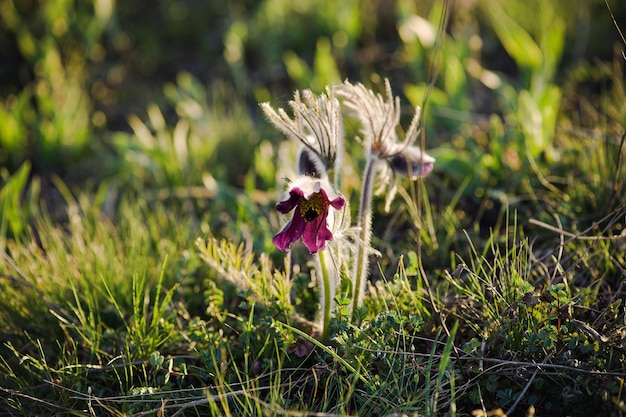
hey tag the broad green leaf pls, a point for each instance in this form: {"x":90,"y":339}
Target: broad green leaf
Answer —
{"x":297,"y":68}
{"x":552,"y":44}
{"x":455,"y":163}
{"x":531,"y":121}
{"x":324,"y":66}
{"x":417,"y":92}
{"x":515,"y":39}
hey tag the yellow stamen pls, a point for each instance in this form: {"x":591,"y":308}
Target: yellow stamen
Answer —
{"x":310,"y":209}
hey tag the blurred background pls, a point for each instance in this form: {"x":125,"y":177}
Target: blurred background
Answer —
{"x":166,"y":96}
{"x":73,"y":73}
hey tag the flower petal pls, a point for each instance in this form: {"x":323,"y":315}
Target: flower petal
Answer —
{"x":308,"y":185}
{"x":285,"y":206}
{"x":316,"y":233}
{"x":292,"y":231}
{"x":338,"y":203}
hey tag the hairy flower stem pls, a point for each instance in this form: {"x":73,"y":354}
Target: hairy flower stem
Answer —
{"x":326,"y":295}
{"x":364,"y":224}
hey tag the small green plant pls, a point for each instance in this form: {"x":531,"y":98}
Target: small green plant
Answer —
{"x":17,"y":201}
{"x":531,"y":318}
{"x":184,"y":157}
{"x":48,"y":120}
{"x":99,"y":309}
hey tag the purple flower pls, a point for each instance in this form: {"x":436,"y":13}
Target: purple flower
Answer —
{"x":309,"y":201}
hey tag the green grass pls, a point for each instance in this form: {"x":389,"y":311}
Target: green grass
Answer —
{"x":137,"y":185}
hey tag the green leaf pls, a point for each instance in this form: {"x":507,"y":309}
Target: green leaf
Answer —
{"x":297,"y":68}
{"x":417,"y":92}
{"x":324,"y":66}
{"x":517,"y":41}
{"x":552,"y":42}
{"x":454,"y":162}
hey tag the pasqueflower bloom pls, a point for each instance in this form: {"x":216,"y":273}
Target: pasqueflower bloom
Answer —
{"x":310,"y":199}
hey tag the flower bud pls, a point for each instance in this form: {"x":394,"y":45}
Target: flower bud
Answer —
{"x":310,"y":164}
{"x":412,"y":162}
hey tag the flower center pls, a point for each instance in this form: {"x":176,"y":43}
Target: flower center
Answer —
{"x":310,"y":209}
